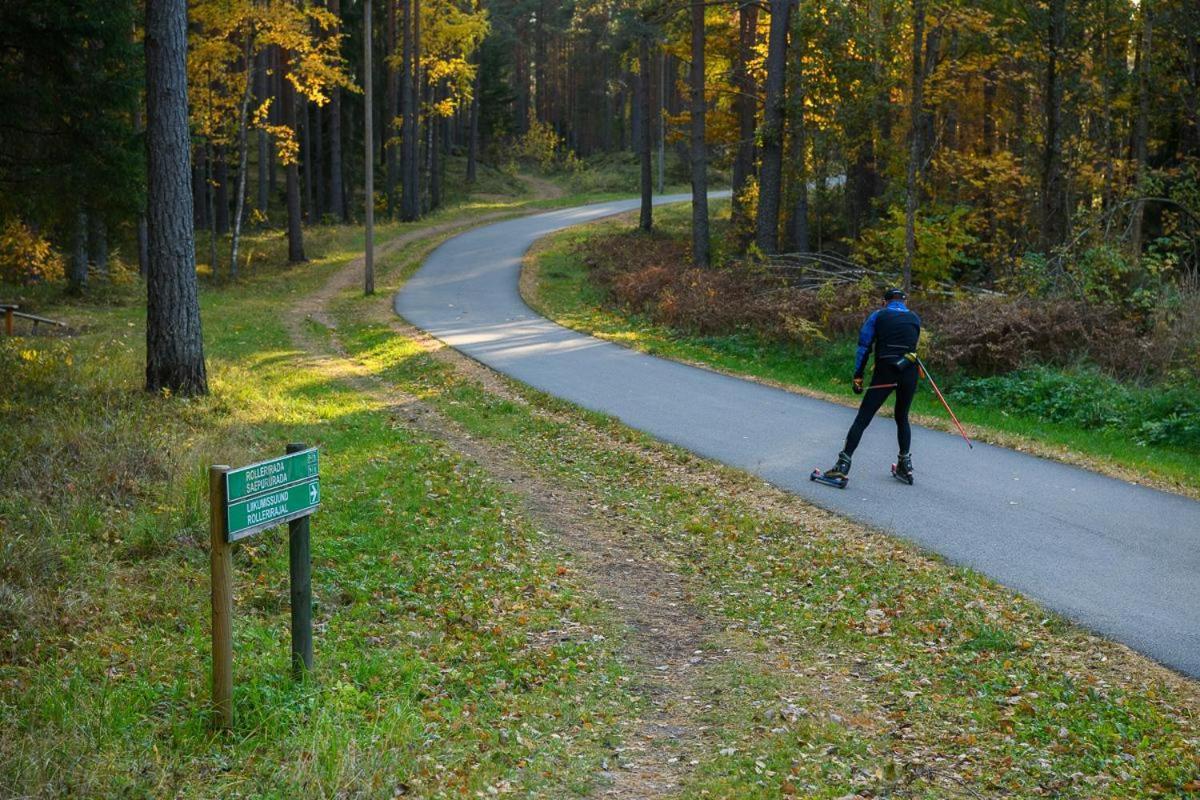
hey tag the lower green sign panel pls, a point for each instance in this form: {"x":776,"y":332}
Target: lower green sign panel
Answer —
{"x":266,"y":510}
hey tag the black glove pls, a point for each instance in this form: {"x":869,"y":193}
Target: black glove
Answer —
{"x":858,"y":389}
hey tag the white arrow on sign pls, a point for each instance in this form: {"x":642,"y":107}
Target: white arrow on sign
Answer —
{"x":314,"y":494}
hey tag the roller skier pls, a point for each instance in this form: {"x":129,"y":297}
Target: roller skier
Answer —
{"x":892,"y":332}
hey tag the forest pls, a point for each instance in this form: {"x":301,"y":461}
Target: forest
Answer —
{"x":568,"y":297}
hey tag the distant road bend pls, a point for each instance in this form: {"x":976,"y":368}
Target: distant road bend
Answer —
{"x":1120,"y":559}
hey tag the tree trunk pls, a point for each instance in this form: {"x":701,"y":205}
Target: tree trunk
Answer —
{"x":210,"y":212}
{"x":800,"y":211}
{"x":317,"y":122}
{"x":337,"y":193}
{"x":295,"y":229}
{"x":239,"y":210}
{"x":646,"y":221}
{"x":174,"y":345}
{"x":368,"y":157}
{"x":98,"y":244}
{"x":1141,"y":128}
{"x":139,"y":125}
{"x":916,"y":102}
{"x":473,"y":126}
{"x":745,"y":103}
{"x":78,"y":277}
{"x":699,"y":154}
{"x":221,"y":191}
{"x":391,"y":87}
{"x":1053,"y":199}
{"x":770,"y":184}
{"x":306,"y":151}
{"x":264,"y":140}
{"x":410,"y":202}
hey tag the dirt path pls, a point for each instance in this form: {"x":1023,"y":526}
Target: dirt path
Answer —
{"x":669,"y":642}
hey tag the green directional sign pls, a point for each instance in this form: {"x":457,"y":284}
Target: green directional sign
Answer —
{"x":269,"y":493}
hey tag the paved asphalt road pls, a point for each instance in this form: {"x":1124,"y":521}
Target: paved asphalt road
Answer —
{"x":1120,"y":559}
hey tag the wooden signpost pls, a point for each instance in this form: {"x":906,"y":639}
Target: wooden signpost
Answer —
{"x":242,"y":502}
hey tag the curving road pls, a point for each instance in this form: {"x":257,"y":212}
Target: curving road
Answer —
{"x":1120,"y":559}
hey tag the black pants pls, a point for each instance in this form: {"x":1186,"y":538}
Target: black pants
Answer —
{"x":906,"y":387}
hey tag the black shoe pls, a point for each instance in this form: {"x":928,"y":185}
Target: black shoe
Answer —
{"x":902,"y":470}
{"x":837,"y":475}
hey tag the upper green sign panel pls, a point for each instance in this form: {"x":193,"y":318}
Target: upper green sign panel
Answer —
{"x":267,"y":475}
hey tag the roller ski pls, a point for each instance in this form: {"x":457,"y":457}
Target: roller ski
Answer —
{"x":837,"y":475}
{"x":902,"y":470}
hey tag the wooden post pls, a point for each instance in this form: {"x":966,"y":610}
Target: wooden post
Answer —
{"x":8,"y":320}
{"x":300,"y":572}
{"x":369,"y":163}
{"x":222,"y":601}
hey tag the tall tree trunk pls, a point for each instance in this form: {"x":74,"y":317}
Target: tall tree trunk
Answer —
{"x":143,"y":242}
{"x":221,"y":191}
{"x":646,"y":221}
{"x":473,"y":126}
{"x":239,"y":210}
{"x":410,"y":202}
{"x":770,"y":184}
{"x":368,"y":156}
{"x":390,"y":111}
{"x":306,"y":155}
{"x":317,"y":121}
{"x":1141,"y":128}
{"x":800,"y":133}
{"x":174,"y":345}
{"x":1053,"y":199}
{"x":916,"y":103}
{"x":745,"y":103}
{"x":78,"y":276}
{"x":98,"y":244}
{"x":264,"y":140}
{"x":210,"y":212}
{"x":295,"y":228}
{"x":541,"y":86}
{"x":337,"y":192}
{"x":699,"y":154}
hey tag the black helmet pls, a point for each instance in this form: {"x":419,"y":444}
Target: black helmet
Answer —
{"x":894,"y":293}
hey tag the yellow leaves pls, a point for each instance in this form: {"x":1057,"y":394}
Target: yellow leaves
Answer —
{"x":26,"y":256}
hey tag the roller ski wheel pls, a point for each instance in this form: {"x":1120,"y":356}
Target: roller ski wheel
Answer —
{"x":821,"y":477}
{"x":902,"y":471}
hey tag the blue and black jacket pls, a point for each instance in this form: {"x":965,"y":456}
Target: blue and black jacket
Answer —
{"x":892,"y":331}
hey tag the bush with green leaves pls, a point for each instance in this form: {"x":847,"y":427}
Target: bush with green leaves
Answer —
{"x":1167,"y":415}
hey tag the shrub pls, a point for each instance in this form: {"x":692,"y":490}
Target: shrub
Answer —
{"x":26,"y":257}
{"x":1092,"y":400}
{"x":942,"y":242}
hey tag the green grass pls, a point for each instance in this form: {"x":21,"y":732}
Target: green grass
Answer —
{"x":911,"y":676}
{"x":434,"y":669}
{"x":564,"y":292}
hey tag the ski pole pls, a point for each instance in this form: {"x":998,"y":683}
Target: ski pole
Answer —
{"x":882,"y":386}
{"x":944,"y":403}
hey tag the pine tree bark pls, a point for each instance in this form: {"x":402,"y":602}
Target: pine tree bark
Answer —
{"x":264,"y":141}
{"x":174,"y":344}
{"x":410,"y":202}
{"x":1141,"y":128}
{"x":391,"y":88}
{"x":239,"y":202}
{"x":699,"y":151}
{"x":77,"y":277}
{"x":745,"y":103}
{"x":306,"y":151}
{"x":473,"y":126}
{"x":800,"y":237}
{"x":98,"y":244}
{"x":646,"y":221}
{"x":1053,"y":188}
{"x":770,"y":183}
{"x":337,"y":194}
{"x":916,"y":103}
{"x":295,"y":227}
